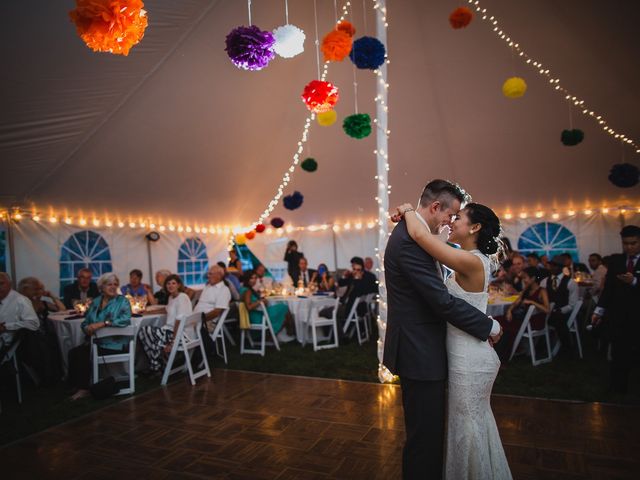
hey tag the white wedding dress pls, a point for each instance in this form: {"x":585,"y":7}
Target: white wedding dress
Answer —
{"x":473,"y":446}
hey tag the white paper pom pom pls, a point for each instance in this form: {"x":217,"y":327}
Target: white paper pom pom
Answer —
{"x":289,"y":41}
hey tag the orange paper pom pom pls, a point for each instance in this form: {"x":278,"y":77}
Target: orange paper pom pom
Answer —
{"x":460,"y":17}
{"x":346,"y":27}
{"x":250,"y":235}
{"x":336,"y":45}
{"x":110,"y":25}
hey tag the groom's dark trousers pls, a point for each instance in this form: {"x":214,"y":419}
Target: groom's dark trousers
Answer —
{"x":415,"y":347}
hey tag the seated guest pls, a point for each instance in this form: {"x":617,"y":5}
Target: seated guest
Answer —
{"x":135,"y":287}
{"x":532,"y":294}
{"x":598,"y":273}
{"x":306,"y":276}
{"x":264,"y":282}
{"x":16,"y":312}
{"x":326,"y":283}
{"x":157,"y":341}
{"x":358,"y":282}
{"x":233,"y":258}
{"x":513,"y":277}
{"x":82,"y":290}
{"x":161,"y":297}
{"x":563,"y":292}
{"x":499,"y":281}
{"x":107,"y":310}
{"x":533,"y":260}
{"x":571,"y":267}
{"x":215,"y":297}
{"x":292,"y":256}
{"x":40,"y":349}
{"x":232,"y":282}
{"x":278,"y":313}
{"x":368,"y":264}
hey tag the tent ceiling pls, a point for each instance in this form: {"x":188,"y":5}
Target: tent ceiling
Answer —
{"x":174,"y":129}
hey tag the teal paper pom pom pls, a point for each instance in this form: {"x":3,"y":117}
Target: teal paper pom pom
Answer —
{"x":357,"y":125}
{"x":309,"y":165}
{"x":571,"y":137}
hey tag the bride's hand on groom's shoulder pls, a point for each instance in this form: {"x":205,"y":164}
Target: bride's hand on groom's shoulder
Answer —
{"x":397,"y":214}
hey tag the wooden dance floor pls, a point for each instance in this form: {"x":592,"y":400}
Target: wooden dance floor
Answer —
{"x":244,"y":425}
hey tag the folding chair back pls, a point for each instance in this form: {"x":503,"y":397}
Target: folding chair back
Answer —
{"x":354,"y":319}
{"x":527,"y":332}
{"x":218,"y":335}
{"x":572,"y":324}
{"x":186,"y":340}
{"x":316,"y":321}
{"x":10,"y":355}
{"x":127,"y":358}
{"x":263,"y":327}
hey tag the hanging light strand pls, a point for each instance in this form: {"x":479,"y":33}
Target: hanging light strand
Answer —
{"x":552,"y":79}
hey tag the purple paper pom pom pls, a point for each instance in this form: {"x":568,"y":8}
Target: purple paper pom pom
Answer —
{"x":293,"y":201}
{"x":250,"y":48}
{"x":277,"y":222}
{"x":624,"y":175}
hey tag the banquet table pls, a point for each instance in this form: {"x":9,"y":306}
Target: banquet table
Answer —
{"x":70,"y":334}
{"x":300,"y":308}
{"x":498,"y":306}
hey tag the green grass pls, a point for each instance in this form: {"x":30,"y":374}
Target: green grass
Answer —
{"x":565,"y":378}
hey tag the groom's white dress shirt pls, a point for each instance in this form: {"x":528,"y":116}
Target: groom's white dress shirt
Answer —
{"x":495,"y":329}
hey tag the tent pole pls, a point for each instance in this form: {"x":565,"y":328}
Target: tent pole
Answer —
{"x":12,"y":252}
{"x":335,"y":251}
{"x":151,"y":275}
{"x":382,"y":162}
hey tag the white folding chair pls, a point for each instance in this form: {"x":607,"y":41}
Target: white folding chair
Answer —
{"x":527,"y":332}
{"x":355,"y":319}
{"x":316,"y":321}
{"x":187,"y":338}
{"x":262,"y":327}
{"x":128,"y":357}
{"x":218,"y":335}
{"x":196,"y":298}
{"x":11,"y":356}
{"x":572,"y":324}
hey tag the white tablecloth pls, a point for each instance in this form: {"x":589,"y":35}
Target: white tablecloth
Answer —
{"x":498,"y":308}
{"x":70,"y":333}
{"x":300,"y":308}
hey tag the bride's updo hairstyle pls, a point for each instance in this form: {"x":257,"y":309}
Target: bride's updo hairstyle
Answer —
{"x":489,"y":241}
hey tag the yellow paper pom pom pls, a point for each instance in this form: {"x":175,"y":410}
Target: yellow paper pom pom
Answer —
{"x":241,"y":239}
{"x":326,"y":119}
{"x":514,"y":87}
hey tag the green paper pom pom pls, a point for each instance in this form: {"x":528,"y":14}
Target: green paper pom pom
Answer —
{"x":309,"y":165}
{"x":571,"y":138}
{"x":357,"y":125}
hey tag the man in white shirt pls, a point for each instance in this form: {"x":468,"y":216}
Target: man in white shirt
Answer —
{"x":16,"y":312}
{"x":599,"y":272}
{"x":563,"y":293}
{"x":215,"y":296}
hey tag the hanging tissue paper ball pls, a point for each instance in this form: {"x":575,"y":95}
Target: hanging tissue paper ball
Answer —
{"x":112,"y":26}
{"x":320,"y":96}
{"x":514,"y":87}
{"x":336,"y":45}
{"x":240,"y":239}
{"x":250,"y":235}
{"x":571,"y":137}
{"x":460,"y":17}
{"x":289,"y":41}
{"x":367,"y":52}
{"x":293,"y":201}
{"x":260,"y":228}
{"x":357,"y":125}
{"x":346,"y":27}
{"x":326,"y":119}
{"x":309,"y":165}
{"x":250,"y":48}
{"x":624,"y":175}
{"x":277,"y":222}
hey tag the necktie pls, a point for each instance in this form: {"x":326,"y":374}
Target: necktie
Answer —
{"x":554,"y":282}
{"x":630,"y":265}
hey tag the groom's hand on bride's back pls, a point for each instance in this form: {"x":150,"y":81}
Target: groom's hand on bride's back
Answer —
{"x":493,"y":339}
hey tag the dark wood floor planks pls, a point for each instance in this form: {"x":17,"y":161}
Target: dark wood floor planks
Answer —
{"x":243,"y":425}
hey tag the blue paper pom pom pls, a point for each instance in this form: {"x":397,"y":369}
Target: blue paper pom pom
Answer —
{"x":293,"y":201}
{"x":367,"y":52}
{"x":624,"y":175}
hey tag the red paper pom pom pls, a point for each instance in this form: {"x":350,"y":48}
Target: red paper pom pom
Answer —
{"x":260,"y":228}
{"x":346,"y":27}
{"x":320,"y":96}
{"x":460,"y":17}
{"x":250,"y":235}
{"x":110,"y":25}
{"x":336,"y":45}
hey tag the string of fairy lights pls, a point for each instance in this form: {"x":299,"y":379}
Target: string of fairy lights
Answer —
{"x":552,"y":79}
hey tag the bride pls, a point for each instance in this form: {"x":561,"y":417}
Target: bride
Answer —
{"x":473,"y":446}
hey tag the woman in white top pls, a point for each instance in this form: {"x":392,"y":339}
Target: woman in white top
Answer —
{"x":157,"y":341}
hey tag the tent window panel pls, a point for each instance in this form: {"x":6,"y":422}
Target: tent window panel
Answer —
{"x":84,"y":249}
{"x":193,"y":261}
{"x":548,"y":238}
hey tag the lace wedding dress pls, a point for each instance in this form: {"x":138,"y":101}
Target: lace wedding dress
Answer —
{"x":473,"y":446}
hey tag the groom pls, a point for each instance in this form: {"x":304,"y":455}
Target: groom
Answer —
{"x":415,"y":343}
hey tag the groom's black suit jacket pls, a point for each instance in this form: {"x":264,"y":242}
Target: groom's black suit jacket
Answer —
{"x":419,"y":307}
